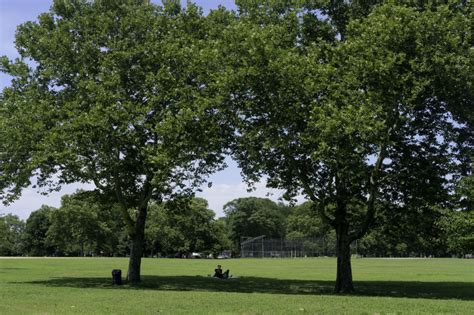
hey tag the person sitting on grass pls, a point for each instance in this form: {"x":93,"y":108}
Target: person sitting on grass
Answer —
{"x":219,"y":274}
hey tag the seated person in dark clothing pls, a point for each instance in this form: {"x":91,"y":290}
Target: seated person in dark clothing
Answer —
{"x":219,"y":274}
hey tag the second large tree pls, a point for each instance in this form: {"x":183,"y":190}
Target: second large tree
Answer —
{"x":352,"y":106}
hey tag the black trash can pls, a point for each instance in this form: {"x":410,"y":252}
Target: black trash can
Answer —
{"x":117,"y":276}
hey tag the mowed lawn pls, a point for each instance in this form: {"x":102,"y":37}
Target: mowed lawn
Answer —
{"x":265,"y":286}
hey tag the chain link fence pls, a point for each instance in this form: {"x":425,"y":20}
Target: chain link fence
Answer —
{"x":259,"y":247}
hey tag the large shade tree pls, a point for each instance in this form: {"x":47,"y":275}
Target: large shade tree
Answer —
{"x":114,"y":93}
{"x":35,"y":242}
{"x":11,"y":229}
{"x":84,"y":225}
{"x":352,"y":104}
{"x":182,"y":226}
{"x":252,"y":217}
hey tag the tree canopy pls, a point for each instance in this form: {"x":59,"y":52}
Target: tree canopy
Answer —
{"x":36,"y":228}
{"x":252,"y":217}
{"x":11,"y":231}
{"x":85,"y":225}
{"x":184,"y":226}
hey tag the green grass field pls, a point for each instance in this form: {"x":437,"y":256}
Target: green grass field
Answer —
{"x":266,"y":286}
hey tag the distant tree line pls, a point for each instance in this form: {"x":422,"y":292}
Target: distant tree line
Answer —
{"x":86,"y":225}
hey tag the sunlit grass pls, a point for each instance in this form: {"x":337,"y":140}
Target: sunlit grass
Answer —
{"x":265,"y":286}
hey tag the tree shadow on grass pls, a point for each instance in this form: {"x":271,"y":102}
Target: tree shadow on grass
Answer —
{"x":8,"y":270}
{"x":409,"y":289}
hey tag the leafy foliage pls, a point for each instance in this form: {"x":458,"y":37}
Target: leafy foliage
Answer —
{"x":458,"y":230}
{"x":304,"y":223}
{"x":11,"y":231}
{"x":184,"y":226}
{"x":118,"y":97}
{"x":465,"y":193}
{"x":252,"y":217}
{"x":36,"y":228}
{"x":85,"y":225}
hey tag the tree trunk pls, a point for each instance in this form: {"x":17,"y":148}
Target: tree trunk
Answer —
{"x":344,"y":269}
{"x":136,"y":248}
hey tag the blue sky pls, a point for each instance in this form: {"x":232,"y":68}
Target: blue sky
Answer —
{"x":227,"y":184}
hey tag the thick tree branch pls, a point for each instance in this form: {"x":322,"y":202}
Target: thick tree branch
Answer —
{"x":320,"y":205}
{"x":124,"y":206}
{"x":373,"y":180}
{"x":147,"y":192}
{"x":98,"y":184}
{"x":93,"y":174}
{"x":373,"y":187}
